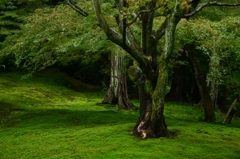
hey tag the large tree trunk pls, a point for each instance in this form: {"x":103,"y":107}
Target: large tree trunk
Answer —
{"x":144,"y":126}
{"x":151,"y":122}
{"x":231,"y":111}
{"x":157,"y":117}
{"x":158,"y":96}
{"x":117,"y":92}
{"x":208,"y":105}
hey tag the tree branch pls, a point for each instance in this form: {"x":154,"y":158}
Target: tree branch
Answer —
{"x":116,"y":37}
{"x":129,"y":35}
{"x":76,"y":8}
{"x":138,"y":14}
{"x":215,"y":3}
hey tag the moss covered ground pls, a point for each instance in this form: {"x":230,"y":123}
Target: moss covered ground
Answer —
{"x":53,"y":116}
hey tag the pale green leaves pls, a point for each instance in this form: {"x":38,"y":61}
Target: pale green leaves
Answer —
{"x":217,"y":39}
{"x":58,"y":35}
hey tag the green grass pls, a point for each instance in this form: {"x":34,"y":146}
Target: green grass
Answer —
{"x":53,"y":116}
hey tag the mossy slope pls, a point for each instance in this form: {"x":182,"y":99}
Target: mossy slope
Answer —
{"x":54,"y":116}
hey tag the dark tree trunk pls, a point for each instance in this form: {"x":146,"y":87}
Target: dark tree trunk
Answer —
{"x":208,"y":105}
{"x":231,"y":111}
{"x":193,"y":93}
{"x":141,"y":128}
{"x":178,"y":91}
{"x":118,"y":92}
{"x":222,"y":104}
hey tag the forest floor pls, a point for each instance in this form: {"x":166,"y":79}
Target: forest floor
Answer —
{"x":53,"y":116}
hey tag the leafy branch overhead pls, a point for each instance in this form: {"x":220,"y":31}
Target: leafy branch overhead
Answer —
{"x":53,"y":36}
{"x":209,"y":3}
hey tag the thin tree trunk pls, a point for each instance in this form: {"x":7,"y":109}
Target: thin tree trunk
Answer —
{"x":123,"y":100}
{"x":214,"y":92}
{"x":118,"y":91}
{"x":222,"y":104}
{"x":213,"y":83}
{"x":209,"y":114}
{"x":231,"y":111}
{"x":111,"y":96}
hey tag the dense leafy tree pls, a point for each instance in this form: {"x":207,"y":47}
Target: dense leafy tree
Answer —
{"x":57,"y":35}
{"x":152,"y":76}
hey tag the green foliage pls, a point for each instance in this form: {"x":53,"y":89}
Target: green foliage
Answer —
{"x":12,"y":16}
{"x":45,"y":118}
{"x":58,"y":35}
{"x":219,"y":40}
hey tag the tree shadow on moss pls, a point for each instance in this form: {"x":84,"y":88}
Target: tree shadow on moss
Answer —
{"x":55,"y":118}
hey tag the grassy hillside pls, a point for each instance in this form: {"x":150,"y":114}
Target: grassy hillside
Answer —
{"x":53,"y":116}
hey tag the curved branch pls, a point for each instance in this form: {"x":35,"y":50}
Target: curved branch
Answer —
{"x":215,"y":3}
{"x":129,"y":35}
{"x":76,"y":8}
{"x":111,"y":34}
{"x":116,"y":37}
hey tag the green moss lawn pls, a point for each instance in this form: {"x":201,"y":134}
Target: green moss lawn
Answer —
{"x":55,"y":117}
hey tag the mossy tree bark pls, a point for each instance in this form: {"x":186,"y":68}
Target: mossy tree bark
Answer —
{"x":158,"y":96}
{"x":151,"y":76}
{"x":151,"y":122}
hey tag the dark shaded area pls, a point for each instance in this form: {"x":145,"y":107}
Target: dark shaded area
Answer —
{"x":179,"y":91}
{"x":183,"y":84}
{"x":54,"y":2}
{"x":96,"y":73}
{"x":5,"y":111}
